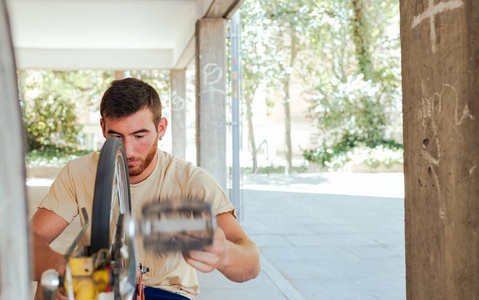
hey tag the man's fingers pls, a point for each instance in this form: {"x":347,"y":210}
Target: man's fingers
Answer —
{"x":202,"y":261}
{"x":211,"y":257}
{"x":218,"y":242}
{"x":204,"y":257}
{"x":200,"y":266}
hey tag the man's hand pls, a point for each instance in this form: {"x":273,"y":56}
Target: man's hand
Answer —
{"x":60,"y":294}
{"x":232,"y":252}
{"x":46,"y":227}
{"x":211,"y":257}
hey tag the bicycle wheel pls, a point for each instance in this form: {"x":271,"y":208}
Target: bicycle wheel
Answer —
{"x":14,"y":246}
{"x":111,"y":216}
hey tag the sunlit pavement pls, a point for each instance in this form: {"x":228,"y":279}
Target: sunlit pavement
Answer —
{"x":321,"y":236}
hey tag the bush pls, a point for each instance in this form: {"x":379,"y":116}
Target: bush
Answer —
{"x":52,"y":155}
{"x":356,"y":150}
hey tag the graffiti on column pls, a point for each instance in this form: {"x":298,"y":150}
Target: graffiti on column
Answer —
{"x":212,"y":74}
{"x":431,"y":114}
{"x":178,"y":103}
{"x":431,"y":12}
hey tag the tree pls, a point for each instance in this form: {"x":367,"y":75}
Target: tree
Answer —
{"x":350,"y":69}
{"x":283,"y":21}
{"x":352,"y":103}
{"x":258,"y":63}
{"x":354,"y":99}
{"x":360,"y":38}
{"x":285,"y":30}
{"x":158,"y":79}
{"x":50,"y":100}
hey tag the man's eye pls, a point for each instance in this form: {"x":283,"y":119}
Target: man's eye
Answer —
{"x":139,"y":136}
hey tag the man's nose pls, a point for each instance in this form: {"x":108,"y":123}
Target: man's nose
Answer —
{"x":128,"y":148}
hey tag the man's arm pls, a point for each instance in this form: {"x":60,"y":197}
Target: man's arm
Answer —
{"x":46,"y":227}
{"x":232,"y":252}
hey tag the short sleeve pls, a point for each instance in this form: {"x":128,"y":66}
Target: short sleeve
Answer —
{"x":61,"y":199}
{"x":204,"y":186}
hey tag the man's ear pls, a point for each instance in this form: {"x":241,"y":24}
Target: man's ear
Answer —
{"x":162,"y":124}
{"x":102,"y":124}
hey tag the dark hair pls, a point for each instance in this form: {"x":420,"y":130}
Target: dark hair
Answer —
{"x":127,"y":96}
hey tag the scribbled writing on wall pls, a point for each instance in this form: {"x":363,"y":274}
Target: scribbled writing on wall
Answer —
{"x":434,"y":114}
{"x":212,"y":101}
{"x":212,"y":74}
{"x":178,"y":103}
{"x":430,"y":13}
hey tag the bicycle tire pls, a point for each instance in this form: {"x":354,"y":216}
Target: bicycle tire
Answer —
{"x":112,"y":186}
{"x":111,"y":164}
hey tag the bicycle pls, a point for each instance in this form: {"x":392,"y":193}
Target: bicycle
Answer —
{"x":112,"y":264}
{"x":109,"y":266}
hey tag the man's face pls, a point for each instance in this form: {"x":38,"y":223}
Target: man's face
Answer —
{"x":140,"y":138}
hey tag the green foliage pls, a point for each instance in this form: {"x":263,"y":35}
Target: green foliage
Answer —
{"x":260,"y":51}
{"x":359,"y":150}
{"x":353,"y":107}
{"x":158,"y":79}
{"x":361,"y":38}
{"x":51,"y":100}
{"x":358,"y":90}
{"x":52,"y":155}
{"x":51,"y":120}
{"x":346,"y":53}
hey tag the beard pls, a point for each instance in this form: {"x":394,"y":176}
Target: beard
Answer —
{"x":137,"y":170}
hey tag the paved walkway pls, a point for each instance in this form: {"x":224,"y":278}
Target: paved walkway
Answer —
{"x":322,"y":236}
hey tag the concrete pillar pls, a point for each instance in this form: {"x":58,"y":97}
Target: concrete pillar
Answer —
{"x":211,"y":97}
{"x":178,"y":112}
{"x":440,"y":73}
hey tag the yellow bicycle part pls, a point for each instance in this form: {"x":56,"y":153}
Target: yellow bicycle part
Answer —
{"x":89,"y":275}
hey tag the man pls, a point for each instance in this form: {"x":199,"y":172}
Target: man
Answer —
{"x":131,"y":110}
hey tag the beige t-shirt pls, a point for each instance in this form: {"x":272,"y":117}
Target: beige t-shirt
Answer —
{"x":172,"y":179}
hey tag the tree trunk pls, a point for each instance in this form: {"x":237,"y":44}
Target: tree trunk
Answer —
{"x":287,"y":114}
{"x":251,"y":141}
{"x":360,"y":40}
{"x":287,"y":128}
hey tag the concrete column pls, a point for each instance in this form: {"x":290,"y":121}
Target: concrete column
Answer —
{"x":211,"y":97}
{"x":178,"y":112}
{"x":440,"y":73}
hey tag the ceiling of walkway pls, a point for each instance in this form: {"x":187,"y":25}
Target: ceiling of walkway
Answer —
{"x":109,"y":34}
